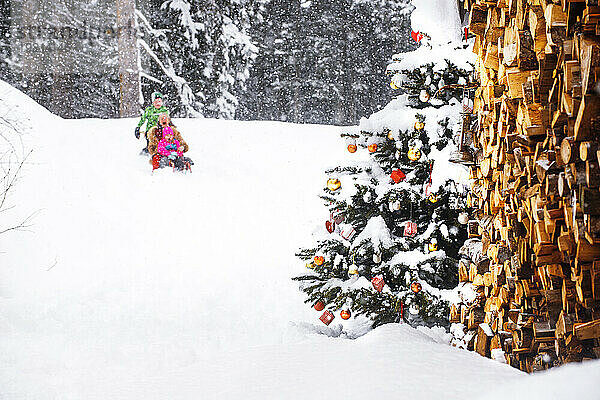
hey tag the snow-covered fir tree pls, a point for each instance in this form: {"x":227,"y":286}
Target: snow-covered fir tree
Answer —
{"x":200,"y":51}
{"x":394,"y":216}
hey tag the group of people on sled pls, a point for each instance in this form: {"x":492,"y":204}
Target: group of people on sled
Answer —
{"x":164,"y":143}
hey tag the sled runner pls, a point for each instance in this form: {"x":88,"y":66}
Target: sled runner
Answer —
{"x":177,"y":163}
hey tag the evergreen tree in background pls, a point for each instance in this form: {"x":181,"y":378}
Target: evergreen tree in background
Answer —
{"x":301,"y":61}
{"x":407,"y":233}
{"x":200,"y":52}
{"x":5,"y":50}
{"x":63,"y":54}
{"x":321,"y":61}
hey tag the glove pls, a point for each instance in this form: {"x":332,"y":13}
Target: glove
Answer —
{"x":137,"y":132}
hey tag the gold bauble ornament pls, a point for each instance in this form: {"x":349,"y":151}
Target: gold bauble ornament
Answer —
{"x":333,"y":184}
{"x":353,"y":270}
{"x":414,"y":154}
{"x":310,"y":265}
{"x":433,"y":246}
{"x":433,"y":198}
{"x":393,"y":85}
{"x":419,"y":125}
{"x":390,"y":135}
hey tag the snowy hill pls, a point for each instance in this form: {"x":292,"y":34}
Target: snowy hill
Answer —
{"x":132,"y":285}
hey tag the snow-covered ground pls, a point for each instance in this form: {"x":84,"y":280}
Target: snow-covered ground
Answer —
{"x":132,"y":285}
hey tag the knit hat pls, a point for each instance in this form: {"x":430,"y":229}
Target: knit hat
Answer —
{"x":167,"y":130}
{"x":156,"y":95}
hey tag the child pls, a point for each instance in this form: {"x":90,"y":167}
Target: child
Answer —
{"x":150,"y":116}
{"x":169,"y":146}
{"x":155,"y":134}
{"x":169,"y":151}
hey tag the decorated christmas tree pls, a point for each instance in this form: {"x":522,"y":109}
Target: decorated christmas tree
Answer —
{"x":389,"y":249}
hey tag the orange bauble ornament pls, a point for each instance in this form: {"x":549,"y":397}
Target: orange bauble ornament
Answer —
{"x":319,"y":260}
{"x":345,"y":314}
{"x":319,"y":306}
{"x":419,"y":125}
{"x":416,"y":287}
{"x":352,"y":148}
{"x":372,"y":147}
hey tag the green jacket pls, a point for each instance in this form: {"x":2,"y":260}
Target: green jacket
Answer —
{"x":150,"y":115}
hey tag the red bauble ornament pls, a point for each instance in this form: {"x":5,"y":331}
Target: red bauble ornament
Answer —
{"x":397,"y":176}
{"x":330,"y":226}
{"x":352,"y":148}
{"x":345,"y":314}
{"x":319,"y":306}
{"x":372,"y":147}
{"x":417,"y":36}
{"x":327,"y":317}
{"x":416,"y":287}
{"x":319,"y":260}
{"x":378,"y":283}
{"x":410,"y":229}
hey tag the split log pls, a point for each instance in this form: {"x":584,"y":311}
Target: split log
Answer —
{"x":587,"y":151}
{"x":587,"y":124}
{"x":588,"y":330}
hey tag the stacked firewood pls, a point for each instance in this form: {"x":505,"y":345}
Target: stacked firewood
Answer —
{"x":535,"y":195}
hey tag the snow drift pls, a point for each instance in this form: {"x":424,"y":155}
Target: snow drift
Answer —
{"x":132,"y":285}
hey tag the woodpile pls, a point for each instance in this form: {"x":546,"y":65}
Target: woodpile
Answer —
{"x":535,"y":197}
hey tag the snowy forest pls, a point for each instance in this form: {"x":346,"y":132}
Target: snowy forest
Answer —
{"x":299,"y":61}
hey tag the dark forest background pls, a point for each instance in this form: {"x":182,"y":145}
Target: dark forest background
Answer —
{"x":300,"y":61}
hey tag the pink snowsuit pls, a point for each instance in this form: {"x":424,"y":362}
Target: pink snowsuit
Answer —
{"x":161,"y":148}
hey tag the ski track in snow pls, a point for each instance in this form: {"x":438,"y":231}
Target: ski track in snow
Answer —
{"x":132,"y":285}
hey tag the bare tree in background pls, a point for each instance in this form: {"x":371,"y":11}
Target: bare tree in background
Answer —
{"x":12,"y":158}
{"x":129,"y":75}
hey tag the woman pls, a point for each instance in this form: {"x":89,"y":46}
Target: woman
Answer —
{"x":155,"y":134}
